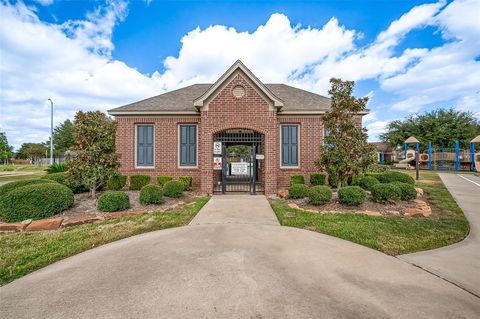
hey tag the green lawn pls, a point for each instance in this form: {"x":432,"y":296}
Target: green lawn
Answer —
{"x":22,"y":253}
{"x":392,"y":235}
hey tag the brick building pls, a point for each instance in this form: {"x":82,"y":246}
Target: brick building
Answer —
{"x":237,"y":134}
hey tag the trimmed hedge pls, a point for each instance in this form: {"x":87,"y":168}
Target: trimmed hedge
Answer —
{"x":352,"y":195}
{"x":392,"y":176}
{"x":116,"y":182}
{"x":151,"y":194}
{"x":317,"y":179}
{"x":388,"y":192}
{"x":333,"y":181}
{"x":173,"y":189}
{"x":378,"y":168}
{"x":318,"y":195}
{"x":366,"y":182}
{"x":162,"y":179}
{"x":57,"y":177}
{"x":298,"y":191}
{"x":408,"y":190}
{"x":297,"y":179}
{"x":4,"y":189}
{"x":138,"y":181}
{"x":76,"y":187}
{"x":186,"y":181}
{"x":113,"y":201}
{"x":36,"y":201}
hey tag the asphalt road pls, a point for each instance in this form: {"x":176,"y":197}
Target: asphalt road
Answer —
{"x":458,"y":263}
{"x":238,"y":269}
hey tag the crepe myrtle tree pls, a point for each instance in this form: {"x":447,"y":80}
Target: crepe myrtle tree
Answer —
{"x":95,"y":155}
{"x":345,"y":151}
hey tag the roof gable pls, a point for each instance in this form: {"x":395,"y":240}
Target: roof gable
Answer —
{"x":238,"y":65}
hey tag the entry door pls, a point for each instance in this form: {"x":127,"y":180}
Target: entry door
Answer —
{"x":239,"y":171}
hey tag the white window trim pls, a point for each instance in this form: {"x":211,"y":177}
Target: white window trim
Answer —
{"x":136,"y":146}
{"x":178,"y":146}
{"x":298,"y":149}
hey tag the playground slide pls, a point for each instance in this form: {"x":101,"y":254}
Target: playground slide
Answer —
{"x":405,"y":163}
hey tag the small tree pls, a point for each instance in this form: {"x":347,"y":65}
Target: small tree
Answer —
{"x":5,"y":148}
{"x":346,"y":151}
{"x":96,"y":158}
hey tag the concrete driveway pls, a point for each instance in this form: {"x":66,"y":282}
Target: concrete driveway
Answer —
{"x":458,"y":263}
{"x":244,"y":269}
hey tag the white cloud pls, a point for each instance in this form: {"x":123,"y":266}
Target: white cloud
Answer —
{"x":72,"y":63}
{"x":45,"y":2}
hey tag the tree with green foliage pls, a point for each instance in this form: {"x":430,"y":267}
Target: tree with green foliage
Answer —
{"x":6,"y":151}
{"x":345,"y":151}
{"x":95,"y":155}
{"x":442,"y":127}
{"x":63,"y":137}
{"x":32,"y":151}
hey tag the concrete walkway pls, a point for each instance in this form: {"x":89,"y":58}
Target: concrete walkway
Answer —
{"x":234,"y":261}
{"x":234,"y":271}
{"x":238,"y":209}
{"x":458,"y":263}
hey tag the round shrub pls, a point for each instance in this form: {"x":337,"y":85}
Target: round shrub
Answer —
{"x":298,"y":191}
{"x":36,"y":201}
{"x":186,"y":181}
{"x":317,"y":179}
{"x":352,"y":195}
{"x":150,"y":194}
{"x":113,"y":201}
{"x":4,"y":189}
{"x":162,"y":179}
{"x":138,"y":181}
{"x":378,"y":168}
{"x":318,"y":195}
{"x":383,"y":193}
{"x":173,"y":189}
{"x":408,"y":190}
{"x":297,"y":179}
{"x":332,"y":181}
{"x":57,"y":177}
{"x":116,"y":182}
{"x":366,"y":182}
{"x":392,"y":176}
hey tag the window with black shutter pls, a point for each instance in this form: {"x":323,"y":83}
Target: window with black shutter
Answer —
{"x":188,"y":145}
{"x":145,"y":145}
{"x":289,"y":150}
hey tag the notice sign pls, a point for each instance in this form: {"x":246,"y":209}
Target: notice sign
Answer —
{"x":239,"y":168}
{"x":217,"y":148}
{"x":260,"y":156}
{"x":217,"y":163}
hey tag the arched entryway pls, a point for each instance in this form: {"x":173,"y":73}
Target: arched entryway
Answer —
{"x":242,"y":168}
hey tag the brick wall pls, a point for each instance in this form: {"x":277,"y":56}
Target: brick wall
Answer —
{"x":224,"y":111}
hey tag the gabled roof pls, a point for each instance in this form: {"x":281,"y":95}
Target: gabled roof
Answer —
{"x":238,"y":65}
{"x":190,"y":99}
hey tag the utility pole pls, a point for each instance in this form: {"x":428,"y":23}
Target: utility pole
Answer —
{"x":51,"y":131}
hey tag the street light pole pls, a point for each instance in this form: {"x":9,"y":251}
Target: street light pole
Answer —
{"x":51,"y":131}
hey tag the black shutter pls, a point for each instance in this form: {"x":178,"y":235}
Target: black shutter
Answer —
{"x":144,"y":145}
{"x":188,"y":145}
{"x":289,"y":150}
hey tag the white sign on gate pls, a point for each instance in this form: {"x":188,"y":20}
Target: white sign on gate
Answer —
{"x":239,"y":168}
{"x":217,"y":148}
{"x":217,"y":163}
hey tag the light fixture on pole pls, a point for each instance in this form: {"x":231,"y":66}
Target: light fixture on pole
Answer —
{"x":51,"y":131}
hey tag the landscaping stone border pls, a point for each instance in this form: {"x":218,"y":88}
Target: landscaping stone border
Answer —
{"x":63,"y":222}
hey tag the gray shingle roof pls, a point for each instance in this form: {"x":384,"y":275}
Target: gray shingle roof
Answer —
{"x":181,"y":100}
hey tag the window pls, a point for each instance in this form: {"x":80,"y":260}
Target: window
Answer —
{"x":188,"y":145}
{"x":144,"y":146}
{"x":289,"y":145}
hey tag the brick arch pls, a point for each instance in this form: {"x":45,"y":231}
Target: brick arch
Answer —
{"x":226,"y":127}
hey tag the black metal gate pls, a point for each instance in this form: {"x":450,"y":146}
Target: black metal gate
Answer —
{"x":240,"y":172}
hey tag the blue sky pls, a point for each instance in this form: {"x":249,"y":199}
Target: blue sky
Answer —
{"x":408,"y":56}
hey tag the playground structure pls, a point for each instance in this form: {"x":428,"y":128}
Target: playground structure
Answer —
{"x":440,"y":158}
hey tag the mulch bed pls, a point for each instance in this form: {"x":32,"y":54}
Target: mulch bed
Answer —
{"x":84,"y":204}
{"x":370,"y":207}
